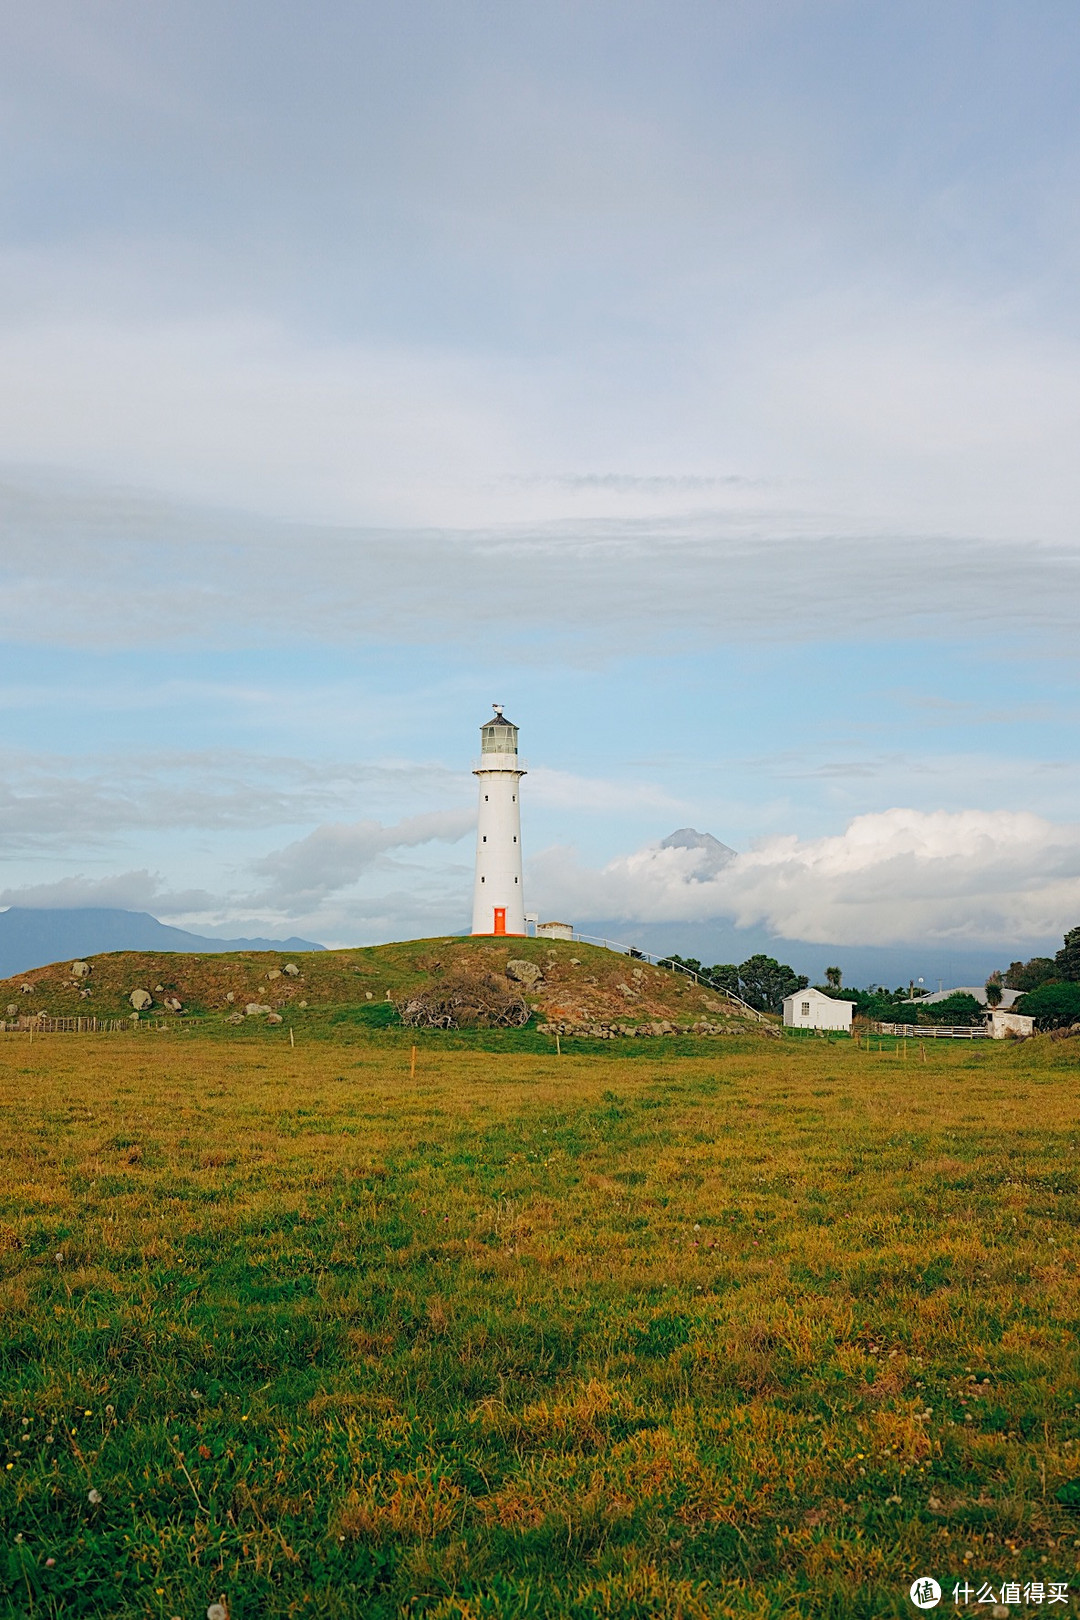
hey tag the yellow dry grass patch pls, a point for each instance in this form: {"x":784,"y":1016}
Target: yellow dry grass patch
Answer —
{"x":416,"y":1506}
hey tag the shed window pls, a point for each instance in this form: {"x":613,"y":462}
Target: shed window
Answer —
{"x":806,"y":1009}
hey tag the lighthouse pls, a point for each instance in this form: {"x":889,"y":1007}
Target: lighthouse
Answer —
{"x":498,"y":898}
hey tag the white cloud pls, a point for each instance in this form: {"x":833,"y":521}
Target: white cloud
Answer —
{"x":337,"y":854}
{"x":76,"y":803}
{"x":895,"y":876}
{"x":93,"y":566}
{"x":128,"y":891}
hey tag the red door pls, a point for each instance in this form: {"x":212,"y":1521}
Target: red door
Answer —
{"x":500,"y":919}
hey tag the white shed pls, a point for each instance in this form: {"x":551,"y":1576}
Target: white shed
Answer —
{"x":1005,"y":1025}
{"x":554,"y":930}
{"x":810,"y":1009}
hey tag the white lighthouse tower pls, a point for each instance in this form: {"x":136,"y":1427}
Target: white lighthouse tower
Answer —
{"x":498,"y":898}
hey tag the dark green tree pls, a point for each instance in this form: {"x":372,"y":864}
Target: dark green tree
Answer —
{"x":993,"y":990}
{"x":1053,"y":1006}
{"x":1067,"y":960}
{"x":765,"y":982}
{"x":690,"y":962}
{"x":956,"y":1009}
{"x":725,"y":976}
{"x":1029,"y":975}
{"x":834,"y":978}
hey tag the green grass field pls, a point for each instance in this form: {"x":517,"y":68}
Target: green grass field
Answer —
{"x":767,"y":1330}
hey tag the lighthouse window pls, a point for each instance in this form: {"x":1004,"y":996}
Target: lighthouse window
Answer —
{"x":481,"y":880}
{"x":515,"y":838}
{"x":485,"y":838}
{"x":515,"y":880}
{"x":485,"y":798}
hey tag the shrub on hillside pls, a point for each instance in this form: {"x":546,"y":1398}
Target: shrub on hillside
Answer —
{"x":1053,"y":1006}
{"x":465,"y":995}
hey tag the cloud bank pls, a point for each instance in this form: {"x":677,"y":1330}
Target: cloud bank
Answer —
{"x":127,"y":891}
{"x":889,"y":878}
{"x":98,"y":567}
{"x":897,"y":877}
{"x":333,"y":856}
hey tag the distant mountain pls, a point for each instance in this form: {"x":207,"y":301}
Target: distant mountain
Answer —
{"x":33,"y":938}
{"x":717,"y":855}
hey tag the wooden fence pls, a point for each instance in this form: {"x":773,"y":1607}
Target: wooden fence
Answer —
{"x":90,"y":1026}
{"x":935,"y":1032}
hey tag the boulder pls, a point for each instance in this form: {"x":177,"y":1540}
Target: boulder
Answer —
{"x":254,"y":1008}
{"x":303,"y":1004}
{"x":173,"y":1003}
{"x":80,"y":970}
{"x":235,"y":1018}
{"x":12,"y":1009}
{"x":141,"y":999}
{"x":274,"y":1018}
{"x":27,"y":989}
{"x":526,"y":973}
{"x":229,"y":996}
{"x":292,"y":970}
{"x":273,"y":973}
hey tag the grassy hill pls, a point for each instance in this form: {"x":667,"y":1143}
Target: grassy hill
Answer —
{"x":583,"y":988}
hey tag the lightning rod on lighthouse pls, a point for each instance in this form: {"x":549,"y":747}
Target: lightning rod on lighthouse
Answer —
{"x":498,"y":896}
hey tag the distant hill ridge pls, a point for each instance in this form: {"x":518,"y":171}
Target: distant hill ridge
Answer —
{"x":31,"y":938}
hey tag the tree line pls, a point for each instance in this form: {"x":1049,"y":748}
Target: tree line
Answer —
{"x":1050,"y":986}
{"x":761,"y":981}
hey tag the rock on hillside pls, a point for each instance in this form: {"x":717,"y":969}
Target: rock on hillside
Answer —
{"x":574,"y":988}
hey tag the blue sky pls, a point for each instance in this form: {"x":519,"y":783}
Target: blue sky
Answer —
{"x":702,"y":381}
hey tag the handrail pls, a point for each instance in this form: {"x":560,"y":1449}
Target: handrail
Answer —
{"x":651,"y":957}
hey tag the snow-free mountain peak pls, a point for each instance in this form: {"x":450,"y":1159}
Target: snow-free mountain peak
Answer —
{"x":715,"y":855}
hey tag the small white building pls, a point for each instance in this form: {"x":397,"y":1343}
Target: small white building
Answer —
{"x":810,"y":1009}
{"x":554,"y":930}
{"x":1005,"y":1025}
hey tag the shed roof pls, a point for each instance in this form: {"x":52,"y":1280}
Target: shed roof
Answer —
{"x":819,"y":995}
{"x":976,"y":990}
